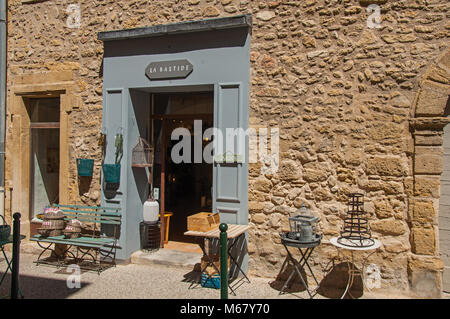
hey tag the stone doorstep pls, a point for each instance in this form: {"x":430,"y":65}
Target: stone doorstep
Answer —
{"x":166,"y":257}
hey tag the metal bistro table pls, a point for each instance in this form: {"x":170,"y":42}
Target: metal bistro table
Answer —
{"x":305,"y":249}
{"x":352,"y":270}
{"x":9,"y":266}
{"x":234,"y":234}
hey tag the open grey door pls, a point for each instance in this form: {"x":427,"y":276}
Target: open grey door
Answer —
{"x":230,"y":177}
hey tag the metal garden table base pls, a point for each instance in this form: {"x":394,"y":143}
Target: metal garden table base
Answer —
{"x":59,"y":259}
{"x":9,"y":266}
{"x":352,"y":270}
{"x":305,"y":252}
{"x":235,"y":233}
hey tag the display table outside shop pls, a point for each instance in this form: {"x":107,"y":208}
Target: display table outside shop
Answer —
{"x":9,"y":266}
{"x":352,"y":270}
{"x":234,"y":233}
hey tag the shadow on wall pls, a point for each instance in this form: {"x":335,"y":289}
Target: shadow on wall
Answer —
{"x":176,"y":43}
{"x":84,"y":184}
{"x":40,"y":288}
{"x":110,"y":190}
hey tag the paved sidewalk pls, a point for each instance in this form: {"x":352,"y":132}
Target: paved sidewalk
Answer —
{"x":134,"y":281}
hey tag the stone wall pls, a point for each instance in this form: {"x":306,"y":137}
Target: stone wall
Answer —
{"x":340,"y":93}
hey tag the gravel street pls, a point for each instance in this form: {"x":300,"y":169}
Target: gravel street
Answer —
{"x":136,"y":281}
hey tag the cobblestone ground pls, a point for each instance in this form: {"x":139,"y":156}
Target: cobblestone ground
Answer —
{"x":138,"y":281}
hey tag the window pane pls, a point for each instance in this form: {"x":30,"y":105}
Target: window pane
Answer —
{"x":44,"y":110}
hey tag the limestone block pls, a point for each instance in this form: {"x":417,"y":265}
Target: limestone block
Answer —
{"x":255,"y":206}
{"x":432,"y":99}
{"x":400,"y":101}
{"x":268,"y":92}
{"x":265,"y":15}
{"x":444,"y":61}
{"x":427,"y":186}
{"x":383,"y":209}
{"x":345,"y":175}
{"x":421,"y":212}
{"x":259,"y":218}
{"x":262,"y":184}
{"x":386,"y":166}
{"x":289,"y":170}
{"x":211,"y":12}
{"x":322,"y":194}
{"x":408,"y":184}
{"x":438,"y":74}
{"x":428,"y":160}
{"x":386,"y":131}
{"x":315,"y":172}
{"x":391,"y":227}
{"x":423,"y":241}
{"x":395,"y":244}
{"x":425,"y":276}
{"x":428,"y":138}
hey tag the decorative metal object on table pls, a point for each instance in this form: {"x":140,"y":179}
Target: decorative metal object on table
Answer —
{"x":356,"y":230}
{"x":304,"y":235}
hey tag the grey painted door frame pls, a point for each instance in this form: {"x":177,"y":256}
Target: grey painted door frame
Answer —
{"x":221,"y":59}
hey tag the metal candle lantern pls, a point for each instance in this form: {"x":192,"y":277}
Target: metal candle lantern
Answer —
{"x":303,"y":225}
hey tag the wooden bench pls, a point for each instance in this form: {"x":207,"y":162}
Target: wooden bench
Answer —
{"x":104,"y":247}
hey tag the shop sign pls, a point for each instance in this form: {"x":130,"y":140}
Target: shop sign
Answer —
{"x":163,"y":70}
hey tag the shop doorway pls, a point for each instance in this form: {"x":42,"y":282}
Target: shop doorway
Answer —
{"x":45,"y":148}
{"x":185,"y":187}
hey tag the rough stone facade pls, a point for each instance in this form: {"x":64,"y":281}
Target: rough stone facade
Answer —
{"x":358,"y":109}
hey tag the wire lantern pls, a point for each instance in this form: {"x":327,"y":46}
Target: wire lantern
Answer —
{"x":356,"y":230}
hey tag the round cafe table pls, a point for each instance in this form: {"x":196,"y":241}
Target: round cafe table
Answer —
{"x":352,"y":270}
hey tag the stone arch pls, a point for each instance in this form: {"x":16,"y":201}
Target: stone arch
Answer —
{"x":428,"y":118}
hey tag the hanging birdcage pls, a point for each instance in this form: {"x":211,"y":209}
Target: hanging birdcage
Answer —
{"x":142,"y":155}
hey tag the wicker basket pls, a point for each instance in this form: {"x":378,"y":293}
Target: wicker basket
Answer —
{"x":73,"y":229}
{"x":55,"y":232}
{"x":53,"y":224}
{"x":70,"y":234}
{"x":45,"y":232}
{"x":52,"y":214}
{"x":5,"y":230}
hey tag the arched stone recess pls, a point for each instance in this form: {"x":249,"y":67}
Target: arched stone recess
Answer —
{"x":427,"y":122}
